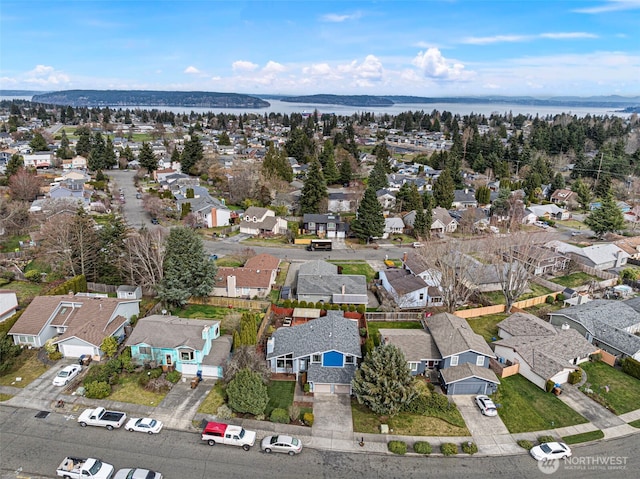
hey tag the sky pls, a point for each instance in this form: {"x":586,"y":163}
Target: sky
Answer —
{"x":429,"y":48}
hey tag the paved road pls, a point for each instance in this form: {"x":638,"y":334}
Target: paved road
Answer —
{"x":132,"y":208}
{"x":38,"y":445}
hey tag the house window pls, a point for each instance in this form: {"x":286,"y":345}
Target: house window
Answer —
{"x":331,"y":226}
{"x":348,"y":360}
{"x":146,"y":350}
{"x":454,"y":360}
{"x":311,"y":226}
{"x":186,"y":355}
{"x":480,"y":361}
{"x":285,"y":362}
{"x":413,"y":366}
{"x":421,"y":296}
{"x":316,"y":358}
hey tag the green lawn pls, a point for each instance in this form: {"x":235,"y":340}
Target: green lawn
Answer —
{"x":374,"y":326}
{"x":624,"y":390}
{"x":574,"y":279}
{"x":584,"y":437}
{"x":485,"y":326}
{"x":524,"y":407}
{"x":635,"y":424}
{"x":229,"y":262}
{"x":128,"y":390}
{"x":280,"y":395}
{"x":356,"y":267}
{"x":25,"y":291}
{"x":496,"y":297}
{"x":216,"y":398}
{"x":26,"y":366}
{"x":229,"y":318}
{"x":13,"y":243}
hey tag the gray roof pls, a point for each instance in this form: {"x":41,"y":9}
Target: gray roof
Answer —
{"x":332,"y":332}
{"x":318,"y":374}
{"x":220,"y":351}
{"x":547,"y":351}
{"x":403,"y":282}
{"x":415,"y":263}
{"x":525,"y":324}
{"x":453,"y":335}
{"x":170,"y":332}
{"x":454,"y":374}
{"x":317,"y":267}
{"x":415,"y":344}
{"x":323,"y":285}
{"x":606,"y":320}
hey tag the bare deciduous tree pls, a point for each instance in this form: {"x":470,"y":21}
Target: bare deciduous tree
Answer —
{"x":14,"y":216}
{"x":24,"y":185}
{"x":246,"y":357}
{"x":144,"y":257}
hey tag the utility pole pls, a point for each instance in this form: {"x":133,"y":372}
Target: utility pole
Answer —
{"x":599,"y":168}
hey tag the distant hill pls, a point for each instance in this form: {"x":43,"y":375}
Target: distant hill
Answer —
{"x":347,"y":100}
{"x":102,"y":98}
{"x":19,"y":92}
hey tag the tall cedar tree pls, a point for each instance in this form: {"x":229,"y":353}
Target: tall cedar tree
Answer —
{"x":345,"y":171}
{"x":314,"y":191}
{"x":187,"y":270}
{"x":369,"y":222}
{"x":483,"y":195}
{"x":606,"y":219}
{"x":147,"y":159}
{"x":383,"y":382}
{"x":443,"y":190}
{"x":38,"y":143}
{"x":193,"y":152}
{"x":247,"y":393}
{"x":378,"y":175}
{"x":427,"y":204}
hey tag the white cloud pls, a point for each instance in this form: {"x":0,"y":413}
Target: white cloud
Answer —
{"x":526,"y":38}
{"x":370,"y":69}
{"x":610,"y":6}
{"x":567,"y":35}
{"x":274,"y":67}
{"x":494,"y":39}
{"x":45,"y":76}
{"x":191,"y":70}
{"x":433,"y":65}
{"x":336,"y":18}
{"x":242,"y":65}
{"x":320,"y":69}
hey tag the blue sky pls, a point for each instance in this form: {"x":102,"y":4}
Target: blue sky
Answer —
{"x":425,"y":48}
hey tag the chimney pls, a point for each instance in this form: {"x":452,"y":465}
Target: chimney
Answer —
{"x":344,"y":289}
{"x":466,"y":191}
{"x":404,"y":257}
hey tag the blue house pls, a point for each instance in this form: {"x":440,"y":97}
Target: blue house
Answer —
{"x":326,"y":348}
{"x":190,"y":346}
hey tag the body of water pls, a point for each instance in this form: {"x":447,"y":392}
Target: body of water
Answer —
{"x":279,"y":106}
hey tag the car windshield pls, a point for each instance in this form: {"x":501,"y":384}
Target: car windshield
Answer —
{"x":295,"y":442}
{"x":546,"y":449}
{"x":63,"y":374}
{"x":241,"y":433}
{"x":274,"y":439}
{"x":96,"y":467}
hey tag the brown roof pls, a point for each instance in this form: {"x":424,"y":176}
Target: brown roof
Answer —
{"x":245,"y":277}
{"x":88,"y":318}
{"x":630,"y":245}
{"x":262,"y":261}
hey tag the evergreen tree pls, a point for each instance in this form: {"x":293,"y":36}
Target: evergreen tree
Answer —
{"x":175,"y":156}
{"x":247,"y":393}
{"x":419,"y":224}
{"x":603,"y":187}
{"x":330,"y":171}
{"x":96,"y":160}
{"x":64,"y":152}
{"x":378,"y":176}
{"x":109,"y":160}
{"x":83,"y":145}
{"x":345,"y":171}
{"x":580,"y":188}
{"x":414,"y":201}
{"x":187,"y":270}
{"x":606,"y":219}
{"x":427,"y":204}
{"x":369,"y":222}
{"x":383,"y":382}
{"x":193,"y":152}
{"x":38,"y":143}
{"x":224,"y":139}
{"x":483,"y":195}
{"x":147,"y":159}
{"x":14,"y":164}
{"x":443,"y":190}
{"x":314,"y":191}
{"x":557,"y":183}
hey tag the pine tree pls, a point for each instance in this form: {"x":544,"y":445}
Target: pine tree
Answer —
{"x":330,"y":171}
{"x":383,"y":382}
{"x":443,"y":190}
{"x":427,"y":204}
{"x":193,"y":152}
{"x":483,"y":195}
{"x":345,"y":171}
{"x":369,"y":222}
{"x":419,"y":224}
{"x":109,"y":159}
{"x":15,"y":163}
{"x":247,"y":393}
{"x":38,"y":143}
{"x":378,"y":175}
{"x":147,"y":159}
{"x":606,"y":219}
{"x":314,"y":191}
{"x":583,"y":192}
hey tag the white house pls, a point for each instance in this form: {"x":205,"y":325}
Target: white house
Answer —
{"x":8,"y":304}
{"x":258,"y":220}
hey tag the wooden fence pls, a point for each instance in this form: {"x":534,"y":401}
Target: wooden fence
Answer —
{"x":101,"y":288}
{"x":395,"y":316}
{"x":231,"y":302}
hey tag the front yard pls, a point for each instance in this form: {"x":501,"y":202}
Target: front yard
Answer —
{"x":25,"y":366}
{"x":524,"y":407}
{"x":624,"y":390}
{"x":129,"y":390}
{"x":449,"y":423}
{"x":356,"y":267}
{"x":280,"y":395}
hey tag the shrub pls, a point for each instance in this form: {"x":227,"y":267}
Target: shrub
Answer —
{"x":97,"y":389}
{"x":352,"y":308}
{"x":422,"y":447}
{"x":279,"y":415}
{"x":550,"y":300}
{"x":286,"y":303}
{"x":397,"y":447}
{"x":631,"y":367}
{"x":542,"y":439}
{"x":173,"y":376}
{"x":55,"y":356}
{"x":362,"y":308}
{"x":143,"y":380}
{"x":560,"y":297}
{"x":306,"y":388}
{"x":344,"y":307}
{"x":549,"y":385}
{"x":303,"y":304}
{"x":154,"y":373}
{"x":319,"y":305}
{"x":307,"y":418}
{"x":133,"y":319}
{"x":4,"y":281}
{"x":33,"y":276}
{"x":294,"y":412}
{"x":449,"y":449}
{"x":363,"y":332}
{"x":431,"y":387}
{"x":575,"y":376}
{"x":524,"y":444}
{"x":469,"y":447}
{"x":224,"y":412}
{"x":8,"y":275}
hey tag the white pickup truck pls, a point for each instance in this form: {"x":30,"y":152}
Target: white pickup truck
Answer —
{"x":103,"y":418}
{"x":76,"y":468}
{"x":219,"y":433}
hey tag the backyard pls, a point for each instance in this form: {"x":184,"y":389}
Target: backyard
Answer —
{"x":486,"y":327}
{"x":524,"y":407}
{"x":229,"y":318}
{"x":623,"y":390}
{"x":575,"y":279}
{"x":374,"y":326}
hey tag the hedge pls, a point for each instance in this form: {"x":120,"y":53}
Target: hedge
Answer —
{"x":77,"y":284}
{"x":575,"y":376}
{"x":397,"y":447}
{"x":422,"y":447}
{"x":448,"y":449}
{"x":631,"y":367}
{"x":279,"y":415}
{"x":469,"y":447}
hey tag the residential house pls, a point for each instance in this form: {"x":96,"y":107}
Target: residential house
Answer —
{"x":327,"y":349}
{"x":549,"y":212}
{"x":210,"y":212}
{"x":407,"y":290}
{"x":190,"y":346}
{"x":565,"y":197}
{"x":8,"y":304}
{"x":319,"y":281}
{"x":463,"y":199}
{"x":129,"y":292}
{"x":340,"y":201}
{"x":253,"y":280}
{"x":393,"y":226}
{"x":472,"y":219}
{"x":324,"y":225}
{"x":442,"y":222}
{"x":464,"y":367}
{"x":76,"y":324}
{"x":542,"y":351}
{"x":541,"y":261}
{"x":611,"y":325}
{"x":600,"y":256}
{"x":39,"y":159}
{"x":262,"y":221}
{"x":76,"y":163}
{"x":418,"y":347}
{"x":386,"y":198}
{"x":630,"y":245}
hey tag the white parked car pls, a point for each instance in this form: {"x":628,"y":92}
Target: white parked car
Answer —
{"x":486,"y":405}
{"x":287,"y":444}
{"x":137,"y":474}
{"x":550,"y":450}
{"x":144,"y":424}
{"x":66,"y":374}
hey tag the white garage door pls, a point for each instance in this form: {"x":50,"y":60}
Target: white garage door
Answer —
{"x":189,"y":369}
{"x":342,"y":389}
{"x":74,"y":351}
{"x":322,"y":388}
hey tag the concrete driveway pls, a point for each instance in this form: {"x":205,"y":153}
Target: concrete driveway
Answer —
{"x":332,"y":421}
{"x":488,"y":432}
